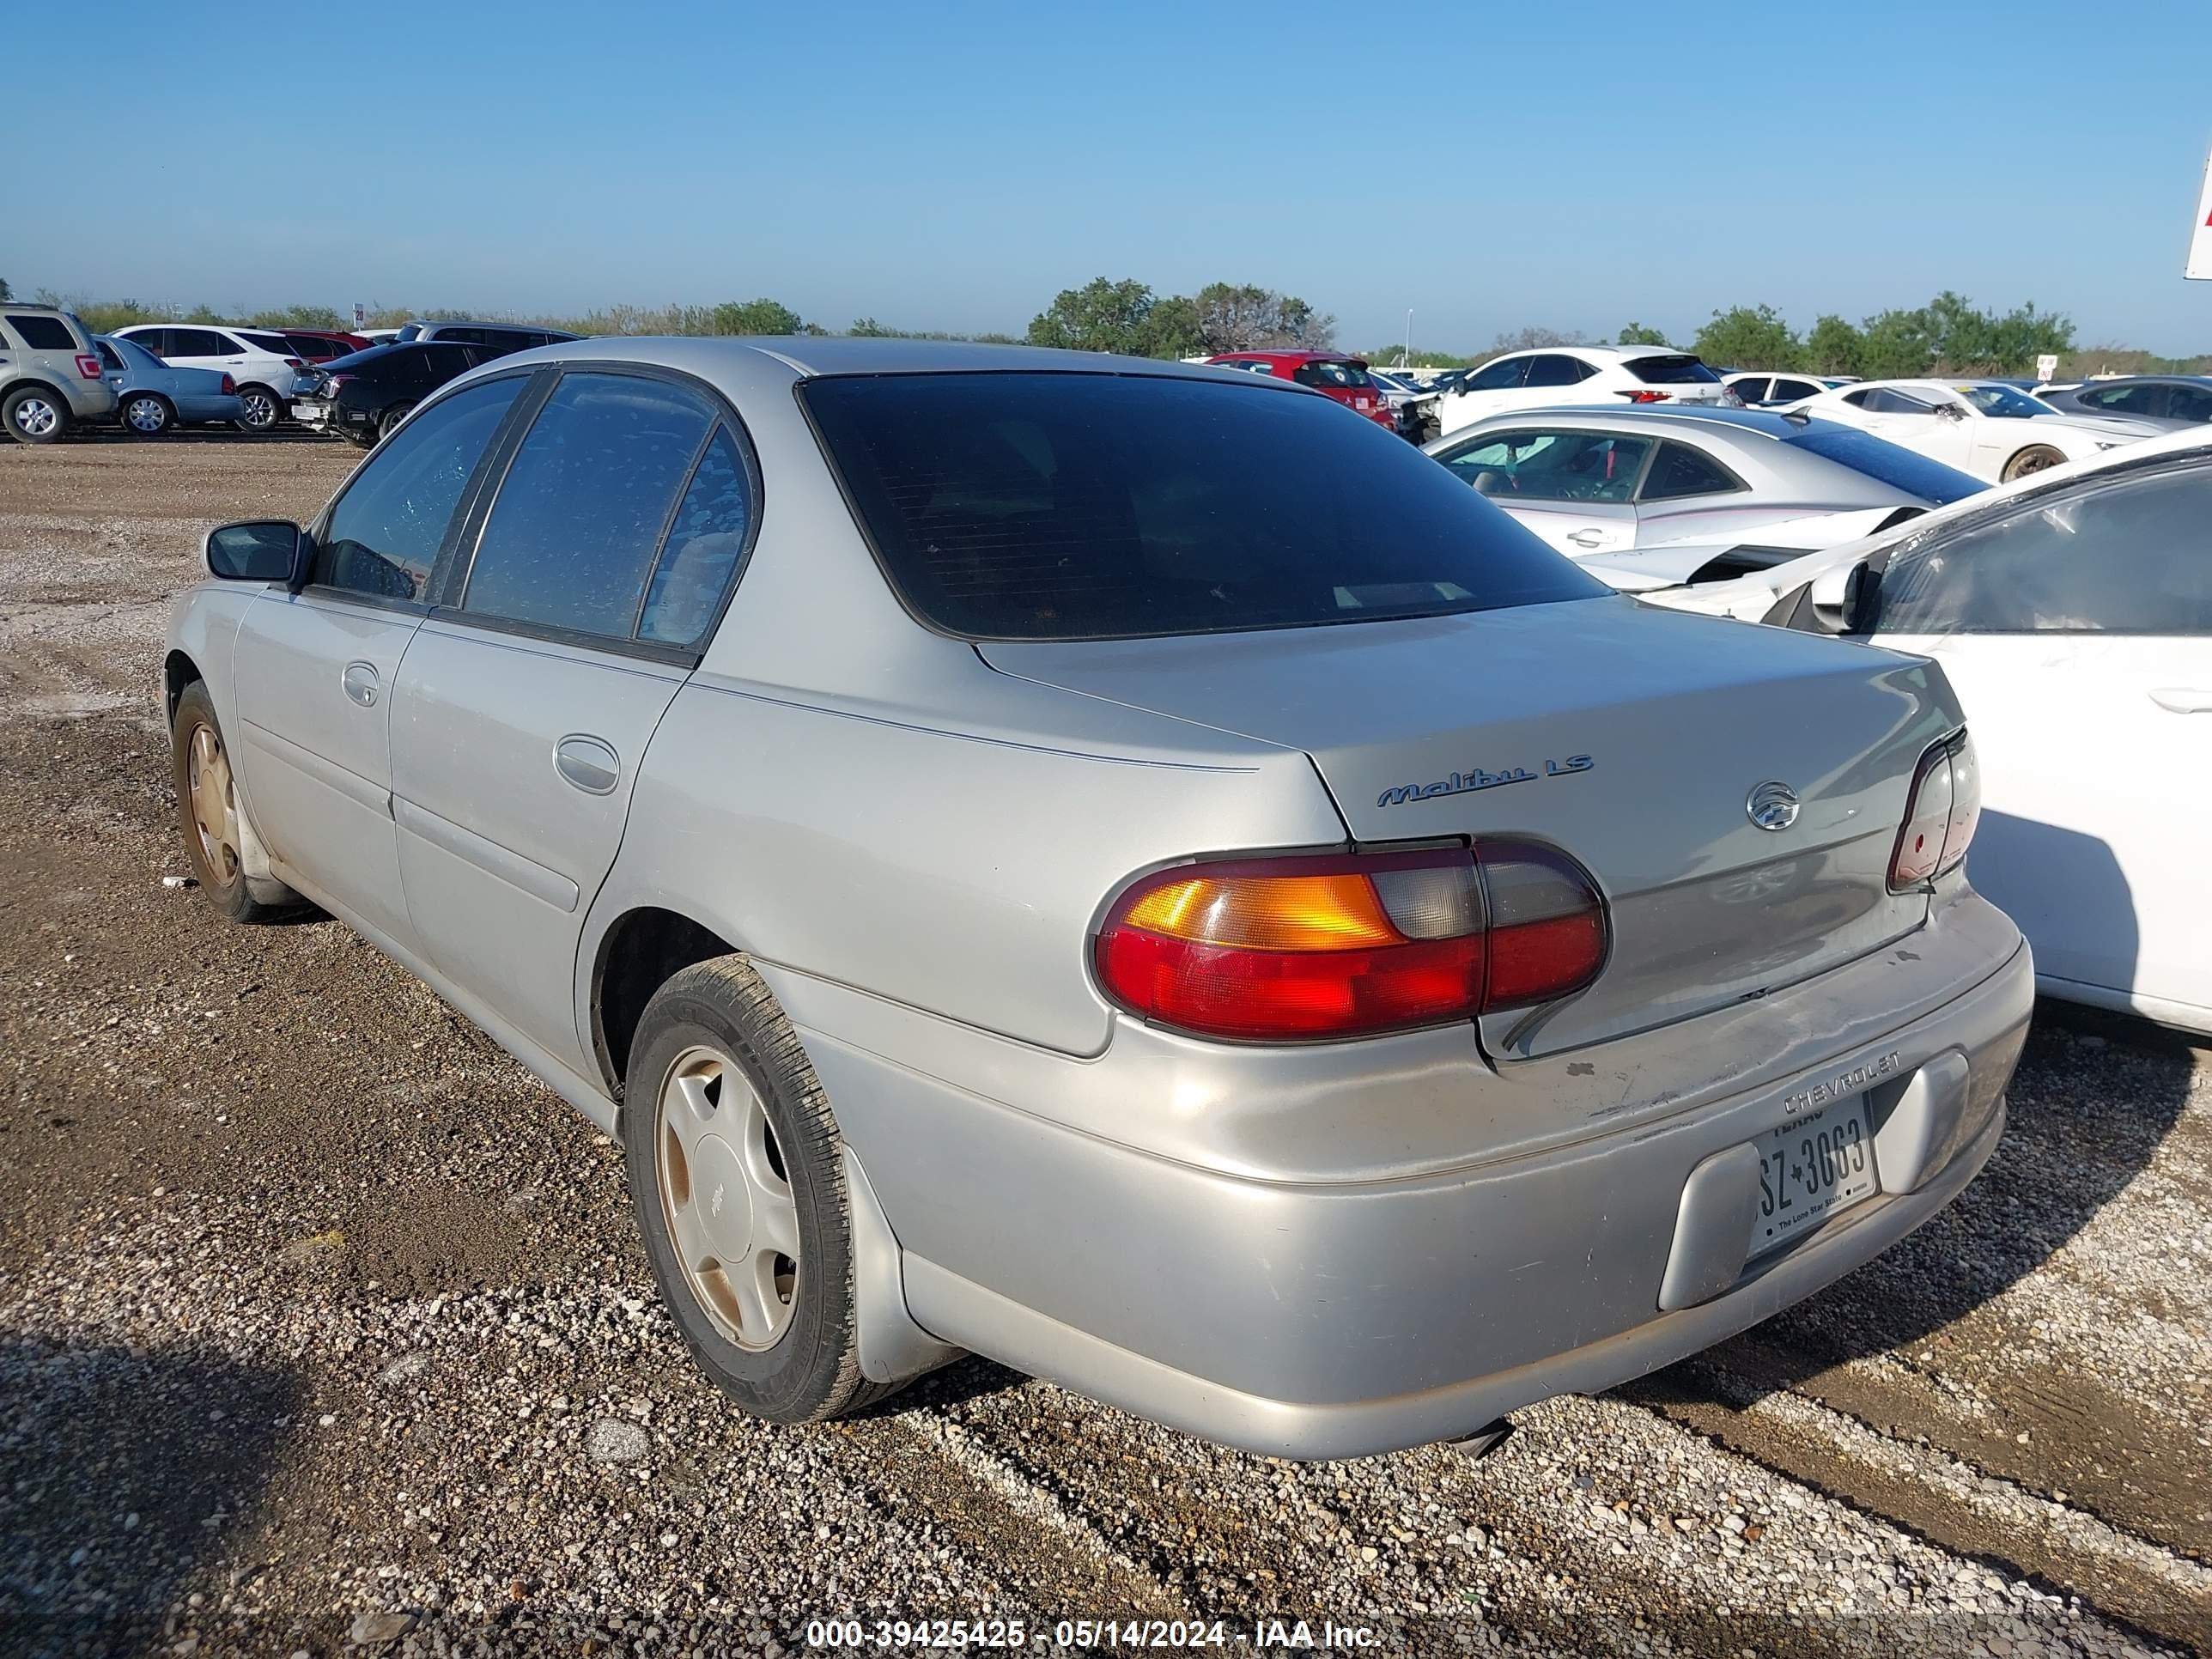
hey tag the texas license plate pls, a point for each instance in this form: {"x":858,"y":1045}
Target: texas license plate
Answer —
{"x":1810,"y":1168}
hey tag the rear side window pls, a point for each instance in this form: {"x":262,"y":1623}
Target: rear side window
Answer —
{"x":1681,"y":470}
{"x":1555,"y":371}
{"x":2127,"y":555}
{"x":704,"y":545}
{"x":1058,"y":506}
{"x":1795,"y":389}
{"x":276,"y":342}
{"x":1676,"y":369}
{"x":1891,"y":464}
{"x":1752,"y":392}
{"x":1332,"y":377}
{"x":43,"y":333}
{"x":110,"y":358}
{"x":572,"y":537}
{"x":384,"y":533}
{"x":313,"y":347}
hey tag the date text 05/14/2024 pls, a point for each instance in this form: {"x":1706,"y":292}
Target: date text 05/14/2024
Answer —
{"x":1076,"y":1635}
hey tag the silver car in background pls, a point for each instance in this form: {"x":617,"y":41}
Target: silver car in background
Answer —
{"x":1021,"y":867}
{"x":1765,"y":487}
{"x":152,"y":398}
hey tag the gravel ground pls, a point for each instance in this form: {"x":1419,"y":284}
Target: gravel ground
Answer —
{"x":322,"y":1328}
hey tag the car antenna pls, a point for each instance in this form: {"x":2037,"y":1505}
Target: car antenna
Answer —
{"x":1796,"y":417}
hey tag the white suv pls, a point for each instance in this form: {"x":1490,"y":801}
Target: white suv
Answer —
{"x":50,"y":375}
{"x":1553,"y":375}
{"x":261,"y":361}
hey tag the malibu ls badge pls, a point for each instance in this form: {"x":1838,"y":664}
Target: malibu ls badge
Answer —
{"x":1459,"y":783}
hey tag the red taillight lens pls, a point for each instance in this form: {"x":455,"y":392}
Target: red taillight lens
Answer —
{"x":1940,"y":814}
{"x":230,"y":387}
{"x":1342,"y":946}
{"x":1647,"y":396}
{"x":294,"y":362}
{"x":87,"y":365}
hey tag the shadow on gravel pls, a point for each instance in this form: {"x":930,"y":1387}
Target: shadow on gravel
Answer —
{"x":116,"y":1472}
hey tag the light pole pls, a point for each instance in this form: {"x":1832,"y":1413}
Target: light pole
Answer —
{"x":1409,"y":337}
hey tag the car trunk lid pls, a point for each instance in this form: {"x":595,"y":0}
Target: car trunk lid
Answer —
{"x":1631,"y":739}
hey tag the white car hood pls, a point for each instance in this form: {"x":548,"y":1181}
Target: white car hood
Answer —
{"x":2097,"y":429}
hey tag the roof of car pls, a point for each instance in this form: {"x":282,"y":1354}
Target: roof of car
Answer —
{"x":809,"y":356}
{"x":1616,"y":353}
{"x":1258,"y":355}
{"x":1762,"y":422}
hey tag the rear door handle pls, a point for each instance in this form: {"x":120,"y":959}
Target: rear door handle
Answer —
{"x":588,"y":763}
{"x":2182,"y":700}
{"x":360,"y":681}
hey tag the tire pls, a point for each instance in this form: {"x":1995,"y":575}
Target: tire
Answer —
{"x":262,"y":410}
{"x":390,"y":418}
{"x":147,"y":415}
{"x":721,"y":1099}
{"x":35,"y":414}
{"x":201,"y":767}
{"x":2034,"y":459}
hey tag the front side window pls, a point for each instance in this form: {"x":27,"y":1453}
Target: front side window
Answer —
{"x":2004,"y":403}
{"x":383,"y":535}
{"x":1881,"y":400}
{"x":1681,"y":470}
{"x":200,"y":342}
{"x":1502,"y":376}
{"x":572,"y":537}
{"x":1057,"y":507}
{"x":2190,"y":403}
{"x":2122,"y":400}
{"x":43,"y":333}
{"x":1554,"y":466}
{"x":2126,"y":555}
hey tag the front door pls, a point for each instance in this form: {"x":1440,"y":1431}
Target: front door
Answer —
{"x":527,"y":702}
{"x":314,"y":671}
{"x":1575,"y":487}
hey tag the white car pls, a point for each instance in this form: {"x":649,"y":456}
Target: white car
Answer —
{"x":1987,"y":428}
{"x":261,"y":361}
{"x":1599,"y":480}
{"x":2072,"y":614}
{"x":1757,"y":388}
{"x":1580,"y":374}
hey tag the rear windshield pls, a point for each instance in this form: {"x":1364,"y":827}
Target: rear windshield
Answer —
{"x":1065,"y":507}
{"x":1680,"y":368}
{"x":1334,"y":376}
{"x":1892,"y":464}
{"x":408,"y":332}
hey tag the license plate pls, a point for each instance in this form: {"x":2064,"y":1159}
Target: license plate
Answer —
{"x":1810,"y":1168}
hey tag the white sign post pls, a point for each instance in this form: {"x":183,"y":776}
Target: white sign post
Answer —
{"x":2045,"y":367}
{"x":360,"y":313}
{"x":2200,"y":239}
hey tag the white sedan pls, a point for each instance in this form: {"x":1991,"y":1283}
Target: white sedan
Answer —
{"x":1581,"y":374}
{"x":2072,"y":613}
{"x":1987,"y":428}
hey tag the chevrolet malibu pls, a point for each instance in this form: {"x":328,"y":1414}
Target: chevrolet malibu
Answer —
{"x":1021,"y":865}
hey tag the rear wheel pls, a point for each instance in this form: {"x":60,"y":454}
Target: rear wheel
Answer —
{"x":2034,"y":459}
{"x":392,"y":417}
{"x":208,"y":813}
{"x":259,"y":409}
{"x":145,"y":415}
{"x":35,"y":415}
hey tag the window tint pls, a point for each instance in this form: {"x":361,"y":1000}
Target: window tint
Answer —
{"x":573,"y":534}
{"x":110,"y":358}
{"x":1676,"y":369}
{"x":410,"y":331}
{"x":2190,"y":403}
{"x":1883,"y":401}
{"x":1029,"y":506}
{"x":1499,"y":376}
{"x":314,"y":348}
{"x":276,"y":342}
{"x":1753,"y":391}
{"x":703,"y":548}
{"x":1681,"y":470}
{"x":149,"y":339}
{"x":43,"y":333}
{"x":441,"y":361}
{"x":1793,"y":390}
{"x":1892,"y":464}
{"x":200,"y":342}
{"x":1553,"y":466}
{"x":2131,"y":554}
{"x":383,"y":534}
{"x":1332,"y":376}
{"x":1553,"y":371}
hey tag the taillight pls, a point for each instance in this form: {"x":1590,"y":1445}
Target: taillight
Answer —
{"x":332,"y":382}
{"x":1645,"y":395}
{"x":230,"y":387}
{"x":1351,"y":945}
{"x":1940,"y":814}
{"x":87,"y":365}
{"x":294,"y":362}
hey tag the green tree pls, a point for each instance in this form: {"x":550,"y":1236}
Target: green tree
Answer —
{"x":1172,"y":328}
{"x":754,"y":317}
{"x":1102,"y":315}
{"x":1832,"y":348}
{"x":1640,"y":334}
{"x":1896,"y":345}
{"x":1749,"y":337}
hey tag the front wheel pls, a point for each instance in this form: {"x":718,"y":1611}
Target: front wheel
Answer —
{"x":259,"y":410}
{"x":2036,"y":458}
{"x":734,"y":1169}
{"x":208,"y":813}
{"x":35,"y":415}
{"x":145,"y":416}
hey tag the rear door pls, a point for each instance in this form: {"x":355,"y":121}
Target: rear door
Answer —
{"x":575,"y":605}
{"x":2077,"y":632}
{"x":1574,"y":487}
{"x":314,"y":671}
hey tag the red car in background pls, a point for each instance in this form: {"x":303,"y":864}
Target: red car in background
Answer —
{"x":319,"y":345}
{"x":1328,"y":373}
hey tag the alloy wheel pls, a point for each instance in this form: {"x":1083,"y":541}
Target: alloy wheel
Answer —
{"x":35,"y":417}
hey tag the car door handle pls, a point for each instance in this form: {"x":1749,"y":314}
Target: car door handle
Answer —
{"x":360,"y":681}
{"x":1587,"y":538}
{"x":590,"y":765}
{"x":2182,"y":700}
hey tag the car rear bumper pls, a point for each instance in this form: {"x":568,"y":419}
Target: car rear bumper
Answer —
{"x":1310,"y":1318}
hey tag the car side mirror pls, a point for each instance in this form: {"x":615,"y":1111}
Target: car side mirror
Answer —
{"x":258,"y":550}
{"x":1843,"y":599}
{"x":1951,"y":411}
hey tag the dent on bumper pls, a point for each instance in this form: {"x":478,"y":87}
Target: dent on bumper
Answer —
{"x":1317,"y":1320}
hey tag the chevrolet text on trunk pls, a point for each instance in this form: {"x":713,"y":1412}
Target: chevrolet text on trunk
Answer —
{"x":1022,"y":865}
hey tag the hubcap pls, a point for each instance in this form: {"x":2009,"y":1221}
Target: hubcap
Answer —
{"x":725,"y":1198}
{"x":214,"y":810}
{"x":36,"y":417}
{"x":259,"y":410}
{"x":145,"y":415}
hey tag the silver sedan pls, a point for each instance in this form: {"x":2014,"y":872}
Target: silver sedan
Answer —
{"x":1022,"y":866}
{"x":152,"y":398}
{"x":1607,"y":481}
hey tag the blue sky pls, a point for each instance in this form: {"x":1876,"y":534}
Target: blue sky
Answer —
{"x":952,"y":165}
